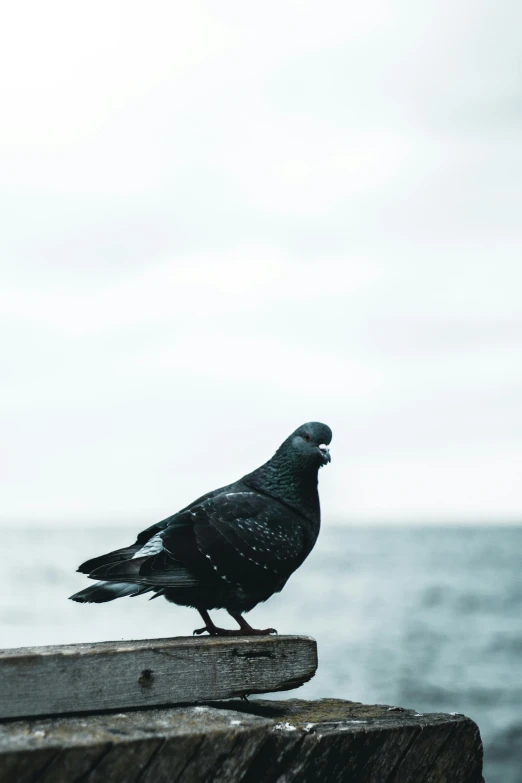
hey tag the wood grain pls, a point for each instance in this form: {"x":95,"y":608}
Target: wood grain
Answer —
{"x":116,"y":675}
{"x":260,"y":741}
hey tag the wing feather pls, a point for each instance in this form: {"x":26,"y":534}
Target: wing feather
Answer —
{"x":250,"y":539}
{"x":241,"y":538}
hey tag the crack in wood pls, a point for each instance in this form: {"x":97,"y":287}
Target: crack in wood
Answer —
{"x":155,"y":753}
{"x":167,"y":654}
{"x":392,"y":775}
{"x":46,"y":766}
{"x":438,"y":752}
{"x":190,"y":759}
{"x":254,"y":654}
{"x":95,"y":763}
{"x":289,"y":758}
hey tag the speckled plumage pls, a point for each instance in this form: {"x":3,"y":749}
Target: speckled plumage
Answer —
{"x":231,"y":548}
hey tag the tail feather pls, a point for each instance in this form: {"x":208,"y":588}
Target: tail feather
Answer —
{"x":126,"y":570}
{"x":159,"y":570}
{"x":101,"y":592}
{"x":112,"y":557}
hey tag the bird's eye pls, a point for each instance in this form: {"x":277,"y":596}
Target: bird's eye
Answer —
{"x":307,"y":437}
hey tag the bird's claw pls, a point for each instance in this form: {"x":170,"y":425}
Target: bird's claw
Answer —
{"x":215,"y":631}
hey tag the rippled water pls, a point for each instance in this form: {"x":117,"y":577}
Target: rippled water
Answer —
{"x":429,"y":618}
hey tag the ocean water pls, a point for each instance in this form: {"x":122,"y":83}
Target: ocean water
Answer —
{"x":429,"y":618}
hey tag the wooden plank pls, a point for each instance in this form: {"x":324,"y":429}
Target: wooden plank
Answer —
{"x":116,"y":675}
{"x":256,"y":742}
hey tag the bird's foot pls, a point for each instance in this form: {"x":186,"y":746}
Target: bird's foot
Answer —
{"x":215,"y":631}
{"x":257,"y":631}
{"x":210,"y":628}
{"x":244,"y":628}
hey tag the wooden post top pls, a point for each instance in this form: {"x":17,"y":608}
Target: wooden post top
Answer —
{"x":234,"y":742}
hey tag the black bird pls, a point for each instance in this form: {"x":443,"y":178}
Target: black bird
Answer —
{"x":230,"y":548}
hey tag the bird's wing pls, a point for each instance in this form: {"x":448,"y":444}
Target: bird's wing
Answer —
{"x":151,"y":564}
{"x":142,"y":543}
{"x":126,"y":553}
{"x":247,"y":538}
{"x":240,"y":537}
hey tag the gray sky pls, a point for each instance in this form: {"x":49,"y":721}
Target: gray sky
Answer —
{"x":220,"y":220}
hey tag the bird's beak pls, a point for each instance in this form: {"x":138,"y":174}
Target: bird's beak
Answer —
{"x":325,"y":451}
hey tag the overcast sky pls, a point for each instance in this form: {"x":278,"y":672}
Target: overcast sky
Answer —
{"x":221,"y":220}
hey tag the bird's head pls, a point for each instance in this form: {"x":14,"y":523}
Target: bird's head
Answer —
{"x":291,"y":474}
{"x":310,"y":443}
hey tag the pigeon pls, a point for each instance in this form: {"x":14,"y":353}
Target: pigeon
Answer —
{"x":231,"y":548}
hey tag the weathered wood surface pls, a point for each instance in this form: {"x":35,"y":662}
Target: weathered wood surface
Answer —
{"x":117,"y":675}
{"x":233,"y":742}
